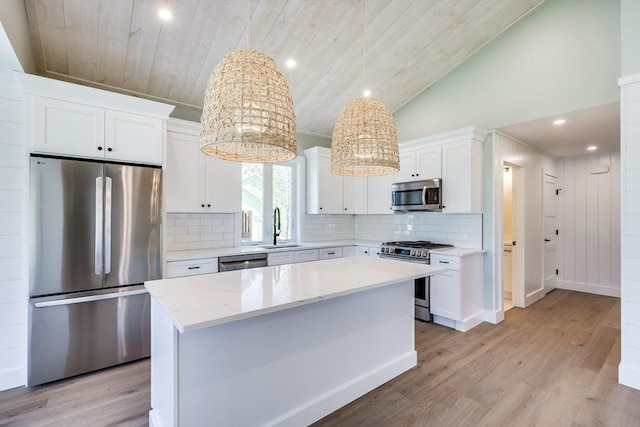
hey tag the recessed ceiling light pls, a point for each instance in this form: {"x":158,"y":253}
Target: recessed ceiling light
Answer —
{"x":165,"y":14}
{"x":559,"y":122}
{"x":366,"y":93}
{"x":291,"y":63}
{"x":592,"y":147}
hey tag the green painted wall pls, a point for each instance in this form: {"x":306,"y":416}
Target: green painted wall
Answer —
{"x":630,"y":37}
{"x":564,"y":56}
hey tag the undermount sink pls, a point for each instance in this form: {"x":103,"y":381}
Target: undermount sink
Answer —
{"x":283,"y":245}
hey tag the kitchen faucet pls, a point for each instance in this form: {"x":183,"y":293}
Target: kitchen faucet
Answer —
{"x":276,"y":224}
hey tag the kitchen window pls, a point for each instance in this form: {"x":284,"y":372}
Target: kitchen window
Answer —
{"x":264,"y":188}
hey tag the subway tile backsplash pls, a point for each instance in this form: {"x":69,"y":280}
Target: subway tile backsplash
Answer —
{"x":462,"y":230}
{"x":321,"y":228}
{"x":210,"y":231}
{"x":199,"y":231}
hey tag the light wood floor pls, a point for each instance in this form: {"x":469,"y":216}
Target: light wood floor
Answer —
{"x":552,"y":364}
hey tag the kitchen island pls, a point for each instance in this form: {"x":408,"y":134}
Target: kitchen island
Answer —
{"x":282,"y":345}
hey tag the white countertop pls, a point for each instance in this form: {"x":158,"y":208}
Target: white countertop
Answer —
{"x":459,"y":252}
{"x":198,"y":302}
{"x":212,"y":253}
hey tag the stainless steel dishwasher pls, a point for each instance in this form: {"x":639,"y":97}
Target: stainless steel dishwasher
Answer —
{"x":241,"y":262}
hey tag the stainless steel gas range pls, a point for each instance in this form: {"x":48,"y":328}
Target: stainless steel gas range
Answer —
{"x":415,"y":251}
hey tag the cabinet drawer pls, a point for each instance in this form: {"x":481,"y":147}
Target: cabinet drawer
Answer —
{"x":327,"y":253}
{"x":451,"y":262}
{"x":349,"y":251}
{"x":305,"y":256}
{"x":279,"y":258}
{"x":192,"y":267}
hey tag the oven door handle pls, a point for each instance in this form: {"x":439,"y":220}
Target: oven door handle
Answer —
{"x":424,"y":196}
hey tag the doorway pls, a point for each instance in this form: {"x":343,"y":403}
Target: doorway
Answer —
{"x":508,"y":236}
{"x":549,"y":203}
{"x":512,"y":237}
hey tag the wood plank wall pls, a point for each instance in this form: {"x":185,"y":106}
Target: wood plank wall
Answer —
{"x":588,"y":251}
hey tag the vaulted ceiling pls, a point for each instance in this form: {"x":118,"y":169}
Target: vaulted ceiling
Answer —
{"x":123,"y":45}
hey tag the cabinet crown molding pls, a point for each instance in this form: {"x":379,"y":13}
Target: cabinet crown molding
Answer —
{"x":463,"y":134}
{"x":45,"y":87}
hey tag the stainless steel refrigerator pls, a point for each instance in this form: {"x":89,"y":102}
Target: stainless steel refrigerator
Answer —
{"x":95,"y":238}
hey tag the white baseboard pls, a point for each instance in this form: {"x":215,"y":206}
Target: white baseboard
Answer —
{"x":494,"y":317}
{"x":12,"y":378}
{"x":534,"y":297}
{"x":591,"y":289}
{"x":629,"y":376}
{"x":153,"y":419}
{"x":323,"y":405}
{"x":462,"y":326}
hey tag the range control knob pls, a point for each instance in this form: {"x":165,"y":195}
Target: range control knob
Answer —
{"x":424,"y":254}
{"x":413,"y":253}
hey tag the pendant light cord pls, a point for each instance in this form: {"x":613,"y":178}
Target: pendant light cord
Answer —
{"x":364,"y":32}
{"x":249,"y":24}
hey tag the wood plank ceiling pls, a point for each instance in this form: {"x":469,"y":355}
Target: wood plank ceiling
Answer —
{"x":123,"y":45}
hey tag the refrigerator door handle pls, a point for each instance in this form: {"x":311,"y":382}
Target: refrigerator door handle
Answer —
{"x":107,"y":228}
{"x":98,"y":228}
{"x":78,"y":300}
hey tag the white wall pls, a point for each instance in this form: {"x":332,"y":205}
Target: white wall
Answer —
{"x":629,"y":368}
{"x":13,"y":241}
{"x":588,"y":246}
{"x":538,"y":68}
{"x":500,"y":148}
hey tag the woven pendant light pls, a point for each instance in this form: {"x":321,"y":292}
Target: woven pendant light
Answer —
{"x":248,"y":111}
{"x":364,"y":142}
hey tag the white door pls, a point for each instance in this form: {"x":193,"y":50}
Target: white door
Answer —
{"x":549,"y":205}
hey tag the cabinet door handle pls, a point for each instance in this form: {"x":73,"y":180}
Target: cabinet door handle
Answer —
{"x":547,"y":240}
{"x":331,"y":253}
{"x":345,"y":209}
{"x":109,"y":149}
{"x":202,"y":205}
{"x":443,"y":262}
{"x":195,"y":267}
{"x":99,"y":148}
{"x":208,"y":205}
{"x":320,"y":208}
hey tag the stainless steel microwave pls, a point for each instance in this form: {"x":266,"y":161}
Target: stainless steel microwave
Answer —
{"x":424,"y":195}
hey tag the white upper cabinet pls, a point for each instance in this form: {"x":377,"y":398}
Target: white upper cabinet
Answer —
{"x":79,"y":121}
{"x":133,"y":138}
{"x":379,"y":194}
{"x":66,"y":128}
{"x":328,"y":193}
{"x":462,"y":177}
{"x":195,"y":182}
{"x":418,"y":163}
{"x":456,"y":158}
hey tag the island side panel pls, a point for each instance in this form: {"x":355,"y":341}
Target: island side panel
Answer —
{"x":164,"y":368}
{"x":293,"y":367}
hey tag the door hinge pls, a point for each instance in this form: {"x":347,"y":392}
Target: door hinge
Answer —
{"x":556,"y":232}
{"x":557,"y":272}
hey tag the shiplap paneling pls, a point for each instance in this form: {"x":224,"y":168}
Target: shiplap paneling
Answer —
{"x":13,"y":184}
{"x":589,"y":224}
{"x":629,"y":368}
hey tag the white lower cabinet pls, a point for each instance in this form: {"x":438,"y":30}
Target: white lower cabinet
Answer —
{"x":292,"y":257}
{"x":327,"y":253}
{"x":191,"y":267}
{"x":456,"y":294}
{"x":306,"y":256}
{"x":348,"y":251}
